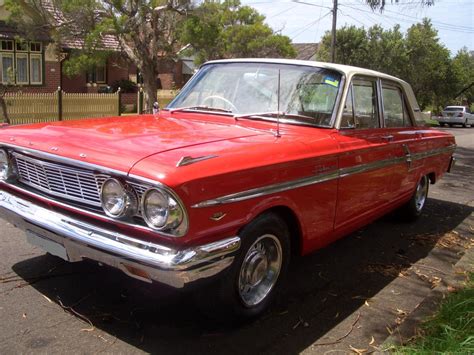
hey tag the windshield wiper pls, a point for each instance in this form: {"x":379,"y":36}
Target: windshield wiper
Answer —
{"x":273,"y":114}
{"x":262,"y":114}
{"x":199,"y":108}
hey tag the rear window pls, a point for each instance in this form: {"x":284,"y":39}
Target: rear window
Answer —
{"x":460,"y":109}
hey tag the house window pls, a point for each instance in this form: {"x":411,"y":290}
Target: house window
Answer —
{"x":21,"y":62}
{"x":35,"y":47}
{"x":22,"y":46}
{"x":100,"y":74}
{"x":6,"y":45}
{"x":22,"y":68}
{"x":7,"y":68}
{"x":97,"y":75}
{"x":36,"y":69}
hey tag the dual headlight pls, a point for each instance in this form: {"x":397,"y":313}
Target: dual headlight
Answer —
{"x":6,"y":168}
{"x":159,"y":208}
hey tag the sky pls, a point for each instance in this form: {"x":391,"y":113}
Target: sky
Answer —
{"x":308,"y":21}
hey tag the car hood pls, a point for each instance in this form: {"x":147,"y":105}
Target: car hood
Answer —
{"x":120,"y":142}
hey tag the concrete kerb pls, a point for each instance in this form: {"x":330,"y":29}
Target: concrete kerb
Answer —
{"x":410,"y":327}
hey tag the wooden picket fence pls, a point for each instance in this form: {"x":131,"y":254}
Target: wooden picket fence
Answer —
{"x":31,"y":108}
{"x":46,"y":107}
{"x":77,"y":106}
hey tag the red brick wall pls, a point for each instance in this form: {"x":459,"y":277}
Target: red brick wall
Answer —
{"x":117,"y":69}
{"x":51,"y":79}
{"x":128,"y":98}
{"x":76,"y":83}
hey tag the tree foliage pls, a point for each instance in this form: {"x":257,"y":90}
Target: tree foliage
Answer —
{"x":147,"y":30}
{"x":463,"y":68}
{"x":226,"y":29}
{"x":150,"y":32}
{"x":380,"y":4}
{"x":416,"y":56}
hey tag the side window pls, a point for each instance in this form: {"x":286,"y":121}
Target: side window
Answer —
{"x":364,"y":93}
{"x":348,"y":113}
{"x":394,"y":108}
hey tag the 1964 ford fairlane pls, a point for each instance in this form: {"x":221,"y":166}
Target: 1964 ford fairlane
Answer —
{"x":254,"y":160}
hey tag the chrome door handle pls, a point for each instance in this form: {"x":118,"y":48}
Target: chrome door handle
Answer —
{"x":388,"y":138}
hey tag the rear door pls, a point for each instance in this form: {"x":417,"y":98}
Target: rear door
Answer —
{"x":403,"y":138}
{"x":366,"y":159}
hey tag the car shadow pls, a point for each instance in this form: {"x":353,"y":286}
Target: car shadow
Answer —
{"x":321,"y":290}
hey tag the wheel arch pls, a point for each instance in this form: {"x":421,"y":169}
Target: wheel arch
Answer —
{"x":432,"y":177}
{"x":292,"y":221}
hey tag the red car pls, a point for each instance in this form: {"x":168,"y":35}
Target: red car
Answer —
{"x":254,"y":161}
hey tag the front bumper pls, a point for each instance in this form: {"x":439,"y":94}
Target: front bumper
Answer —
{"x":74,"y":240}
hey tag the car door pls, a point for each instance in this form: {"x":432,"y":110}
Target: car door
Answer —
{"x":403,"y":139}
{"x":366,"y":156}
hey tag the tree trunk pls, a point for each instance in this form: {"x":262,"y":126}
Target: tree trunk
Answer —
{"x":150,"y":88}
{"x":3,"y":105}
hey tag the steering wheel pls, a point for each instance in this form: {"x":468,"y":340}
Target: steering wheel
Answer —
{"x":223,"y":99}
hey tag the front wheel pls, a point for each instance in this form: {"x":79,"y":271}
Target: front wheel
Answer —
{"x":256,"y":274}
{"x":413,"y":208}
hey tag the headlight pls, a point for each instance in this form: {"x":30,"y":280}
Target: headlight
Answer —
{"x":160,"y":210}
{"x":5,"y":165}
{"x":118,"y":201}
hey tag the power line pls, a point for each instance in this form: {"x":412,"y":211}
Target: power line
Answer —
{"x":306,"y":27}
{"x":412,"y":20}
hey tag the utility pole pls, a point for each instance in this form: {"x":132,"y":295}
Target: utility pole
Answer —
{"x":333,"y":32}
{"x":334,"y":23}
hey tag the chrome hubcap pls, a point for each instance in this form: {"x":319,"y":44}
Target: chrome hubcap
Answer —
{"x":260,"y":269}
{"x":421,"y":193}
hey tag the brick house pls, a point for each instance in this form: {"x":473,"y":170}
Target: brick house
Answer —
{"x":306,"y":51}
{"x":37,"y":66}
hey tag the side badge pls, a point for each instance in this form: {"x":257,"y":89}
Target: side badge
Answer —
{"x":218,"y":216}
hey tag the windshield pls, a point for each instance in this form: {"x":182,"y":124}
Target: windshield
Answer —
{"x":307,"y":94}
{"x":455,"y":109}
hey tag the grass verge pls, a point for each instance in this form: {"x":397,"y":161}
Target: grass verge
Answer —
{"x":451,"y":330}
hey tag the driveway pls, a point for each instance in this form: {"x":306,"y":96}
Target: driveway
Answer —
{"x":351,"y":294}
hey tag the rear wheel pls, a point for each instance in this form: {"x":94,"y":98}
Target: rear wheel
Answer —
{"x":256,"y":274}
{"x":465,"y":123}
{"x":413,"y":208}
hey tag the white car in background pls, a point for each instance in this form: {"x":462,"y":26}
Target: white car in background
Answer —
{"x":456,"y":115}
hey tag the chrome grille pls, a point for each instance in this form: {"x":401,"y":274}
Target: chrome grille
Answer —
{"x":63,"y":181}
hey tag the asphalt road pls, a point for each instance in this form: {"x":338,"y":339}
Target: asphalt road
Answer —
{"x":350,"y":294}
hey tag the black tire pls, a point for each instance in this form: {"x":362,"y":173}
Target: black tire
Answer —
{"x":465,"y":124}
{"x":227,"y":296}
{"x":413,"y":208}
{"x":450,"y":124}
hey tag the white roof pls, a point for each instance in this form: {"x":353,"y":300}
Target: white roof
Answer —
{"x":347,"y":70}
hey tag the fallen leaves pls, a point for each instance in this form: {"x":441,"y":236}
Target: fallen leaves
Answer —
{"x":302,"y":322}
{"x":69,"y":309}
{"x":433,"y":280}
{"x":447,"y":240}
{"x":342,"y":337}
{"x":47,"y":299}
{"x":358,"y":351}
{"x":389,"y":270}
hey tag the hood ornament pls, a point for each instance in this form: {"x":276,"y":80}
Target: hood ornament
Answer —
{"x":188,"y":160}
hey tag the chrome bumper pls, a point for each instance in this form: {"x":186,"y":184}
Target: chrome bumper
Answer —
{"x":74,"y":240}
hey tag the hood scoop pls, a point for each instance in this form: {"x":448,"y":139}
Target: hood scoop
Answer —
{"x":188,"y":160}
